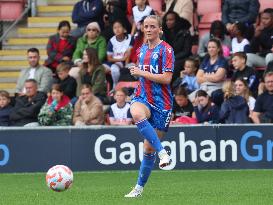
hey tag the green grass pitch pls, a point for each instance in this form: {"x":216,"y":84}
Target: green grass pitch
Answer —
{"x":219,"y":187}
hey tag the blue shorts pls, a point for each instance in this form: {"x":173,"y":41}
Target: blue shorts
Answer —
{"x":160,"y":119}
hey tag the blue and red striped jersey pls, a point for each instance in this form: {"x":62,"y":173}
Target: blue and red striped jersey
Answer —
{"x":157,"y":61}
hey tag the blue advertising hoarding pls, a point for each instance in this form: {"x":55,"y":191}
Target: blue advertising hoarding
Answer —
{"x":121,"y":148}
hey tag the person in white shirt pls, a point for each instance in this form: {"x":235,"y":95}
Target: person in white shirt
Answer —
{"x":119,"y":113}
{"x":140,"y":10}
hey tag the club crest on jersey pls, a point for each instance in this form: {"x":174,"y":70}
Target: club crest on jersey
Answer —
{"x":155,"y":56}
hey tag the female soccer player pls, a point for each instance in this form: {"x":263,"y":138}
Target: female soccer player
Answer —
{"x":152,"y":105}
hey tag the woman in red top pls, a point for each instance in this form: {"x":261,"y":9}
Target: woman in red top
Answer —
{"x":60,"y":46}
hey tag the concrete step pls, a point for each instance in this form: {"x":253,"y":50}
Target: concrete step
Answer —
{"x":19,"y":58}
{"x":11,"y":74}
{"x":18,"y":52}
{"x":55,"y":10}
{"x":8,"y":86}
{"x":13,"y":63}
{"x":47,"y":21}
{"x":8,"y":80}
{"x":20,"y":47}
{"x":27,"y":41}
{"x":36,"y":32}
{"x":62,"y":2}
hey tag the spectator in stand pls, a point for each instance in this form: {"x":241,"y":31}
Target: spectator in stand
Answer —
{"x":68,"y":84}
{"x":92,"y":72}
{"x":217,"y":30}
{"x":263,"y":110}
{"x":118,"y":51}
{"x":182,"y":105}
{"x":140,"y":10}
{"x":115,"y":11}
{"x":212,"y":72}
{"x":176,"y":33}
{"x":261,"y":46}
{"x":88,"y":109}
{"x":91,"y":39}
{"x":5,"y":108}
{"x":205,"y":111}
{"x":187,"y":77}
{"x":27,"y":107}
{"x":139,"y":39}
{"x":119,"y":113}
{"x":241,"y":88}
{"x":60,"y":47}
{"x":243,"y":71}
{"x":245,"y":11}
{"x":85,"y":12}
{"x":57,"y":111}
{"x":239,"y":42}
{"x":41,"y":74}
{"x":184,"y":8}
{"x":234,"y":109}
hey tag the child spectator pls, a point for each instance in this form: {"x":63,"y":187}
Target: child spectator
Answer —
{"x":239,"y":42}
{"x":68,"y":84}
{"x":118,"y":51}
{"x":57,"y":111}
{"x":5,"y":108}
{"x":182,"y":105}
{"x":234,"y":109}
{"x":243,"y":71}
{"x":139,"y":10}
{"x":119,"y":113}
{"x":60,"y":47}
{"x":187,"y":77}
{"x":88,"y":109}
{"x":204,"y":110}
{"x":241,"y":88}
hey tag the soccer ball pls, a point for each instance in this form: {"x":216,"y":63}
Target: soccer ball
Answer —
{"x":59,"y":178}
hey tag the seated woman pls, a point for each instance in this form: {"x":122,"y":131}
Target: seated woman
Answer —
{"x":176,"y":33}
{"x":239,"y":42}
{"x":57,"y":111}
{"x":60,"y":47}
{"x":234,"y":109}
{"x":88,"y":109}
{"x":204,"y":110}
{"x":91,"y":72}
{"x":212,"y":72}
{"x":91,"y":38}
{"x":242,"y":89}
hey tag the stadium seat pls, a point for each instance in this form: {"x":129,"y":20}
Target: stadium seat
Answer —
{"x":206,"y":20}
{"x":125,"y":84}
{"x":208,"y":6}
{"x":264,"y":4}
{"x":6,"y":6}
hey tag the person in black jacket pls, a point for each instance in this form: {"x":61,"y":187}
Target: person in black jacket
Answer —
{"x":244,"y":11}
{"x":261,"y":46}
{"x":176,"y":33}
{"x":5,"y":108}
{"x":234,"y":109}
{"x":27,"y":107}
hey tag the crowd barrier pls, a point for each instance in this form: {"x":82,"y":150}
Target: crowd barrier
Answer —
{"x":120,"y":148}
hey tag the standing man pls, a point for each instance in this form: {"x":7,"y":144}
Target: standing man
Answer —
{"x":152,"y":105}
{"x":41,"y":74}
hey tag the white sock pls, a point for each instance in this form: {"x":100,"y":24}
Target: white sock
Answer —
{"x":138,"y":187}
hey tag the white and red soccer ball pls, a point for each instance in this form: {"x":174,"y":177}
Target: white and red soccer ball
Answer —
{"x":59,"y":178}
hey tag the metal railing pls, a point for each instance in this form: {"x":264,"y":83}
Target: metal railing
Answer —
{"x":31,"y":6}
